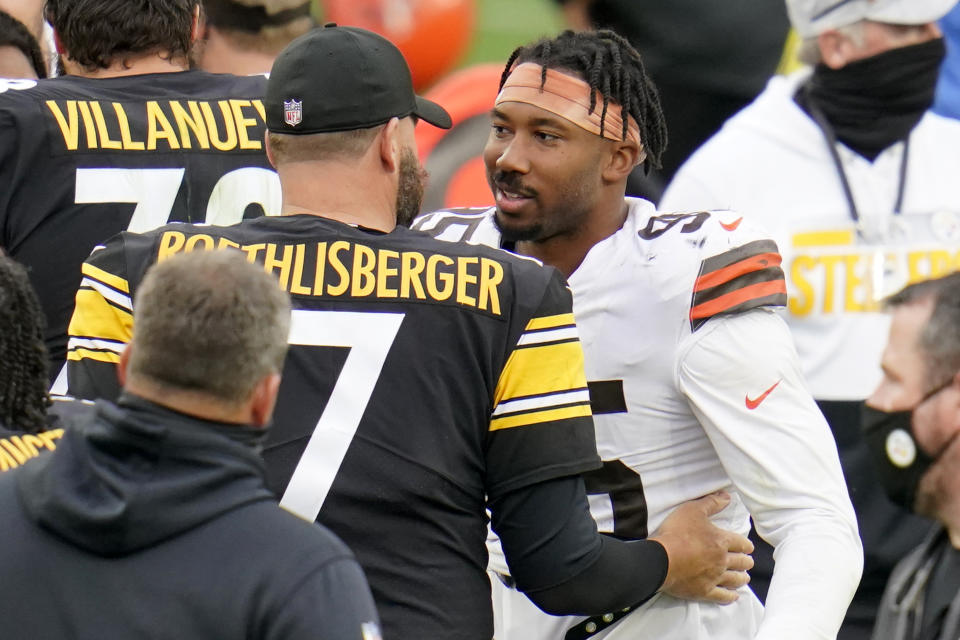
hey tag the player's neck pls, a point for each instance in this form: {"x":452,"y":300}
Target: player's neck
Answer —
{"x":128,"y":66}
{"x":567,"y":251}
{"x":343,"y":194}
{"x":217,"y":56}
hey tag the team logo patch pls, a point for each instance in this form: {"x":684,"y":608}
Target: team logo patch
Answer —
{"x":370,"y":631}
{"x":293,"y":112}
{"x":901,"y":449}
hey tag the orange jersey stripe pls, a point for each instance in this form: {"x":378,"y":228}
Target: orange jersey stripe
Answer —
{"x":732,"y":299}
{"x":737,"y":269}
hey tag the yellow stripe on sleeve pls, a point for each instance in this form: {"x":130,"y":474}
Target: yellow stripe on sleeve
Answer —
{"x":94,"y":317}
{"x":536,"y":417}
{"x":105,"y":277}
{"x":550,"y":322}
{"x":542,"y":369}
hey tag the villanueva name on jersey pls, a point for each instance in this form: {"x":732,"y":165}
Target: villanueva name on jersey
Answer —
{"x":347,"y":269}
{"x":159,"y":125}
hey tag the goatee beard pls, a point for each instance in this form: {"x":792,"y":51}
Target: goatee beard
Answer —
{"x":413,"y":179}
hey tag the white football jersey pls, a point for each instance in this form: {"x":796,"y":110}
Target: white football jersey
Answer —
{"x":695,"y":387}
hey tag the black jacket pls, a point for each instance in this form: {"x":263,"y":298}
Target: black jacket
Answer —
{"x":145,"y":523}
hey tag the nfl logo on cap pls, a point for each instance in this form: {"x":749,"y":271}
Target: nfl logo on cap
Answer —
{"x":293,"y":112}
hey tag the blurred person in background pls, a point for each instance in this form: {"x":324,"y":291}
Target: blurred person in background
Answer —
{"x":947,"y":102}
{"x":912,"y":424}
{"x":244,"y":37}
{"x":856,"y":178}
{"x":708,"y":60}
{"x":30,"y":13}
{"x":131,"y":139}
{"x":20,"y":54}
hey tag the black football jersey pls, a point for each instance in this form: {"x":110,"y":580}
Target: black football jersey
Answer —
{"x":82,"y":160}
{"x":423,"y":376}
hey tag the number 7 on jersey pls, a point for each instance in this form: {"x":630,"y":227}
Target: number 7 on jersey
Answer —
{"x":369,"y":337}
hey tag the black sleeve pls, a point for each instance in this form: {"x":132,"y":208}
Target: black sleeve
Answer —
{"x":560,"y":561}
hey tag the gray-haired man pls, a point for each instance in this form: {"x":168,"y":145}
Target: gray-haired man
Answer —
{"x":151,"y":519}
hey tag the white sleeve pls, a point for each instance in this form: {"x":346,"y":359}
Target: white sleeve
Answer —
{"x":783,"y":462}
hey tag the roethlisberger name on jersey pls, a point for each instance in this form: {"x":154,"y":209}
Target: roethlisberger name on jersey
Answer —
{"x":354,"y":270}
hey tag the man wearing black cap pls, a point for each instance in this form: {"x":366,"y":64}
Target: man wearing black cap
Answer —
{"x":426,"y":381}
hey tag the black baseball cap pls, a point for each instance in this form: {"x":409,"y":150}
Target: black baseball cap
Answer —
{"x":340,"y":79}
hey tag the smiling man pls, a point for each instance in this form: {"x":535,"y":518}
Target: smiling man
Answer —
{"x":694,"y":380}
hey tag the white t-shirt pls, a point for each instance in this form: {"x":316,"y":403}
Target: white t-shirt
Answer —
{"x":771,"y":163}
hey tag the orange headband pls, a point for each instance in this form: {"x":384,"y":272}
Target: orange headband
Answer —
{"x":569,"y":98}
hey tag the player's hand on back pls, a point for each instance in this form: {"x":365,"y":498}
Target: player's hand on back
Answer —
{"x":705,"y":561}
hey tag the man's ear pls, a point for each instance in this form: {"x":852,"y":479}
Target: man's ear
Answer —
{"x":390,"y":145}
{"x":264,"y":399}
{"x":834,"y":48}
{"x":198,"y":24}
{"x":123,"y":365}
{"x":268,"y":149}
{"x":623,"y":157}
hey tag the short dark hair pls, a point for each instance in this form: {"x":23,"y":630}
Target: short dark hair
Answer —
{"x":613,"y":68}
{"x":23,"y":356}
{"x":264,"y":26}
{"x":335,"y":145}
{"x":96,"y":33}
{"x":14,"y":33}
{"x":211,"y":323}
{"x":940,"y":338}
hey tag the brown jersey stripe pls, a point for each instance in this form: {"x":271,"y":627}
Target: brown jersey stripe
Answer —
{"x":775,"y":289}
{"x":747,"y":265}
{"x":733,"y":256}
{"x":747,"y":279}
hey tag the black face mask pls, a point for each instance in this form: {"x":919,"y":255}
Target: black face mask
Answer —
{"x":872,"y":103}
{"x":898,"y":459}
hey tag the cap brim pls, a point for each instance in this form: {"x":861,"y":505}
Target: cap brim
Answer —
{"x":433,"y":113}
{"x":913,"y":13}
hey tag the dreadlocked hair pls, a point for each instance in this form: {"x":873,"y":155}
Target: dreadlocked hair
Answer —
{"x":23,"y":356}
{"x":614,"y":70}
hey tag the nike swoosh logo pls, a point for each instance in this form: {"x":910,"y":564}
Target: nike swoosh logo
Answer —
{"x":733,"y":225}
{"x":753,"y":404}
